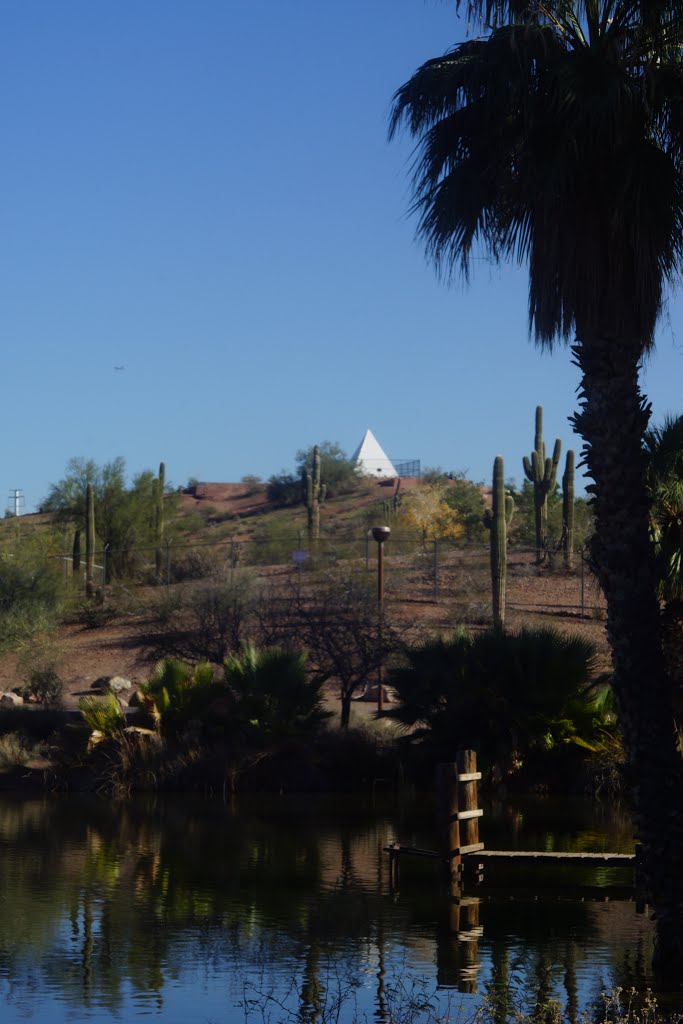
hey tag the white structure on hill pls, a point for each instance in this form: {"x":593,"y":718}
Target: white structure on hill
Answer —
{"x":371,"y":459}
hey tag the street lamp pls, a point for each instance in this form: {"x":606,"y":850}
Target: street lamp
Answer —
{"x":380,"y":534}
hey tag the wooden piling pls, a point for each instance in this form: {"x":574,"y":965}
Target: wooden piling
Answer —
{"x":448,"y":820}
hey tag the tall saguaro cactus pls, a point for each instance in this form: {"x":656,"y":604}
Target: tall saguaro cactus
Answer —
{"x":159,"y":487}
{"x":497,"y":519}
{"x":76,"y":553}
{"x":568,"y":511}
{"x":89,"y":539}
{"x":542,"y":472}
{"x":315,"y":496}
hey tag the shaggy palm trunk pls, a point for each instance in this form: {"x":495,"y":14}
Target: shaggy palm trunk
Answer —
{"x":612,"y":420}
{"x":672,"y":644}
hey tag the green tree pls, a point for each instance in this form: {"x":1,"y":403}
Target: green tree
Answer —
{"x":468,"y":501}
{"x":555,"y":137}
{"x":337,"y":471}
{"x":125,"y":516}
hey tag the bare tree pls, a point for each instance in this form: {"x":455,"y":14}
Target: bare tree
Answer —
{"x":338,"y":621}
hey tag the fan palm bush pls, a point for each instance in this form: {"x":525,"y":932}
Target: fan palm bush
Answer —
{"x":273,"y":692}
{"x":505,"y":694}
{"x":177,"y":692}
{"x":102,"y":714}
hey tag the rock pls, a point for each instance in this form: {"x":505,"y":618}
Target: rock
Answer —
{"x":369,"y":695}
{"x":11,"y":700}
{"x":117,"y":685}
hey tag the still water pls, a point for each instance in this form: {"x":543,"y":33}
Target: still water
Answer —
{"x":201,"y":911}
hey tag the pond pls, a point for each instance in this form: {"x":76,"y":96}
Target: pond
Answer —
{"x":197,"y":910}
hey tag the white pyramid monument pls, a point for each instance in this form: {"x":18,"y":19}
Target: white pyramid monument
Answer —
{"x":371,"y":459}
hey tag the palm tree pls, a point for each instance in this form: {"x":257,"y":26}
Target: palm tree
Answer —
{"x":556,"y":137}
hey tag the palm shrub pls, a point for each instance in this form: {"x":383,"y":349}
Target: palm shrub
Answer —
{"x":102,"y":714}
{"x":505,"y":694}
{"x":177,"y":692}
{"x":273,"y":691}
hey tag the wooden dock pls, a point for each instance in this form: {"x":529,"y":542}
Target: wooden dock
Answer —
{"x":461,"y":851}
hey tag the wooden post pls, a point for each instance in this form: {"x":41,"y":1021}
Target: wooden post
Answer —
{"x":468,"y":776}
{"x":448,"y":820}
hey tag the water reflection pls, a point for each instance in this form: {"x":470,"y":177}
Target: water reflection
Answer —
{"x":201,"y":911}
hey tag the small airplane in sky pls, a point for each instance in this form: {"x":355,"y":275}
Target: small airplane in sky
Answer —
{"x":119,"y":367}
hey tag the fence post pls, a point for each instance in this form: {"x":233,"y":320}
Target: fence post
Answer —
{"x":168,"y":563}
{"x":104,"y":567}
{"x":448,"y":822}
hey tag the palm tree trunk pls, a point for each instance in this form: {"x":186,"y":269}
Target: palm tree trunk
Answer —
{"x":612,"y":420}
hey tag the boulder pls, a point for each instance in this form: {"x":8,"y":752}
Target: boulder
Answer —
{"x":118,"y":685}
{"x":11,"y":700}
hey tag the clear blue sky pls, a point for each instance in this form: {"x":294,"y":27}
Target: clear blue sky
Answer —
{"x":203,"y":193}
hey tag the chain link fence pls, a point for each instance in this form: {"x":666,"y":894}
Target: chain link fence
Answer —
{"x":437,"y":571}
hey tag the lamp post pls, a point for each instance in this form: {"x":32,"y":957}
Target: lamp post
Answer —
{"x":380,"y":534}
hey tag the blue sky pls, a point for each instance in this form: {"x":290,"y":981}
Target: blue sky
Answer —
{"x":203,"y":193}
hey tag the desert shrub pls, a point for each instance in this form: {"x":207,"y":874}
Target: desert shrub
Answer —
{"x":16,"y":749}
{"x":273,"y":543}
{"x":467,"y":500}
{"x":194,"y":564}
{"x":252,"y":484}
{"x":285,"y":489}
{"x":30,"y":600}
{"x":208,"y":620}
{"x":44,"y":686}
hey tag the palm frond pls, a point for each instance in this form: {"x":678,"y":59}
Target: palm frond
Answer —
{"x":557,"y":139}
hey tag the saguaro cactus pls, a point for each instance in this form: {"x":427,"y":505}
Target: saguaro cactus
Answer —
{"x":568,"y":511}
{"x":76,"y":553}
{"x":89,"y":539}
{"x":497,"y":519}
{"x":542,"y":472}
{"x":159,"y":486}
{"x":315,"y":496}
